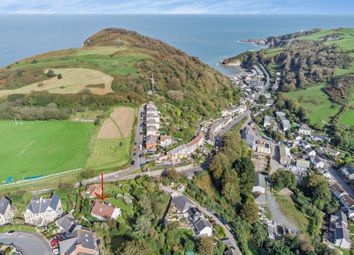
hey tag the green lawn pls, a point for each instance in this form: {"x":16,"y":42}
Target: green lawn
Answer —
{"x":271,"y":52}
{"x":317,"y":104}
{"x":346,"y":35}
{"x":347,"y":118}
{"x":287,"y":206}
{"x":39,"y":148}
{"x":108,"y":153}
{"x":120,"y":64}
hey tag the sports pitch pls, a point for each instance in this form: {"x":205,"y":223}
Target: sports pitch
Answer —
{"x":39,"y":148}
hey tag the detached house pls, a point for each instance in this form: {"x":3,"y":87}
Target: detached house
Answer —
{"x":347,"y":172}
{"x":165,"y":141}
{"x":103,"y":211}
{"x":41,"y":211}
{"x":317,"y":163}
{"x":203,"y":228}
{"x":6,"y":212}
{"x":79,"y":242}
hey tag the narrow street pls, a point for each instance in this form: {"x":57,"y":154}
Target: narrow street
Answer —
{"x":226,"y":228}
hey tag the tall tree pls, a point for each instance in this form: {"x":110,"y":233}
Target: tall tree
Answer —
{"x":246,"y":173}
{"x":230,"y":186}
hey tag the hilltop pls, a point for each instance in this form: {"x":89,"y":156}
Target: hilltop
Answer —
{"x":122,"y":66}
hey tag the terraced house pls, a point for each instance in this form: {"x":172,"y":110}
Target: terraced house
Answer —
{"x":41,"y":211}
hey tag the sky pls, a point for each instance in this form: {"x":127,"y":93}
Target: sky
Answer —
{"x":176,"y":6}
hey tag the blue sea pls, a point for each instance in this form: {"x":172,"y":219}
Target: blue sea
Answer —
{"x":209,"y":37}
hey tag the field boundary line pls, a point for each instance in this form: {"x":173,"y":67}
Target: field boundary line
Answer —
{"x":41,"y":178}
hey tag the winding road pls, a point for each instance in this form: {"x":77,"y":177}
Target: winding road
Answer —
{"x":27,"y":243}
{"x":226,"y":228}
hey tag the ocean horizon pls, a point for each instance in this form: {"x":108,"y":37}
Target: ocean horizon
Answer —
{"x":208,"y":37}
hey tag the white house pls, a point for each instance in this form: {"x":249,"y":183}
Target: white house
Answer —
{"x":305,"y":130}
{"x":41,"y":211}
{"x":317,"y":162}
{"x":165,"y":141}
{"x":6,"y":212}
{"x":203,"y":228}
{"x":310,"y":152}
{"x":347,"y":172}
{"x":261,"y":184}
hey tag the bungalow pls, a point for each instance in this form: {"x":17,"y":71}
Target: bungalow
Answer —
{"x":103,"y":211}
{"x":6,"y":211}
{"x":165,"y":141}
{"x":284,"y":154}
{"x":260,"y":186}
{"x":347,"y":172}
{"x":305,"y":130}
{"x":339,"y":230}
{"x":80,"y":241}
{"x":317,"y":162}
{"x":41,"y":211}
{"x":203,"y":228}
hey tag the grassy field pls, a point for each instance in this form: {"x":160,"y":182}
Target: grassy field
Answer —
{"x":346,"y":40}
{"x":73,"y":80}
{"x":287,"y":206}
{"x":113,"y":151}
{"x":42,"y":147}
{"x":317,"y":104}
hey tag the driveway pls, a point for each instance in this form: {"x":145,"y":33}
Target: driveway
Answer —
{"x":227,"y":229}
{"x":27,"y":243}
{"x":277,"y":215}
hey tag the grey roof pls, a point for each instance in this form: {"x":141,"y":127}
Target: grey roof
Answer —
{"x":261,"y":180}
{"x":151,"y":128}
{"x":4,"y":203}
{"x":181,"y":203}
{"x":285,"y":123}
{"x":280,"y":114}
{"x":250,"y":139}
{"x":201,"y":224}
{"x":341,"y":226}
{"x":81,"y":237}
{"x":40,"y":205}
{"x":349,"y":169}
{"x":66,"y":222}
{"x":151,"y":139}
